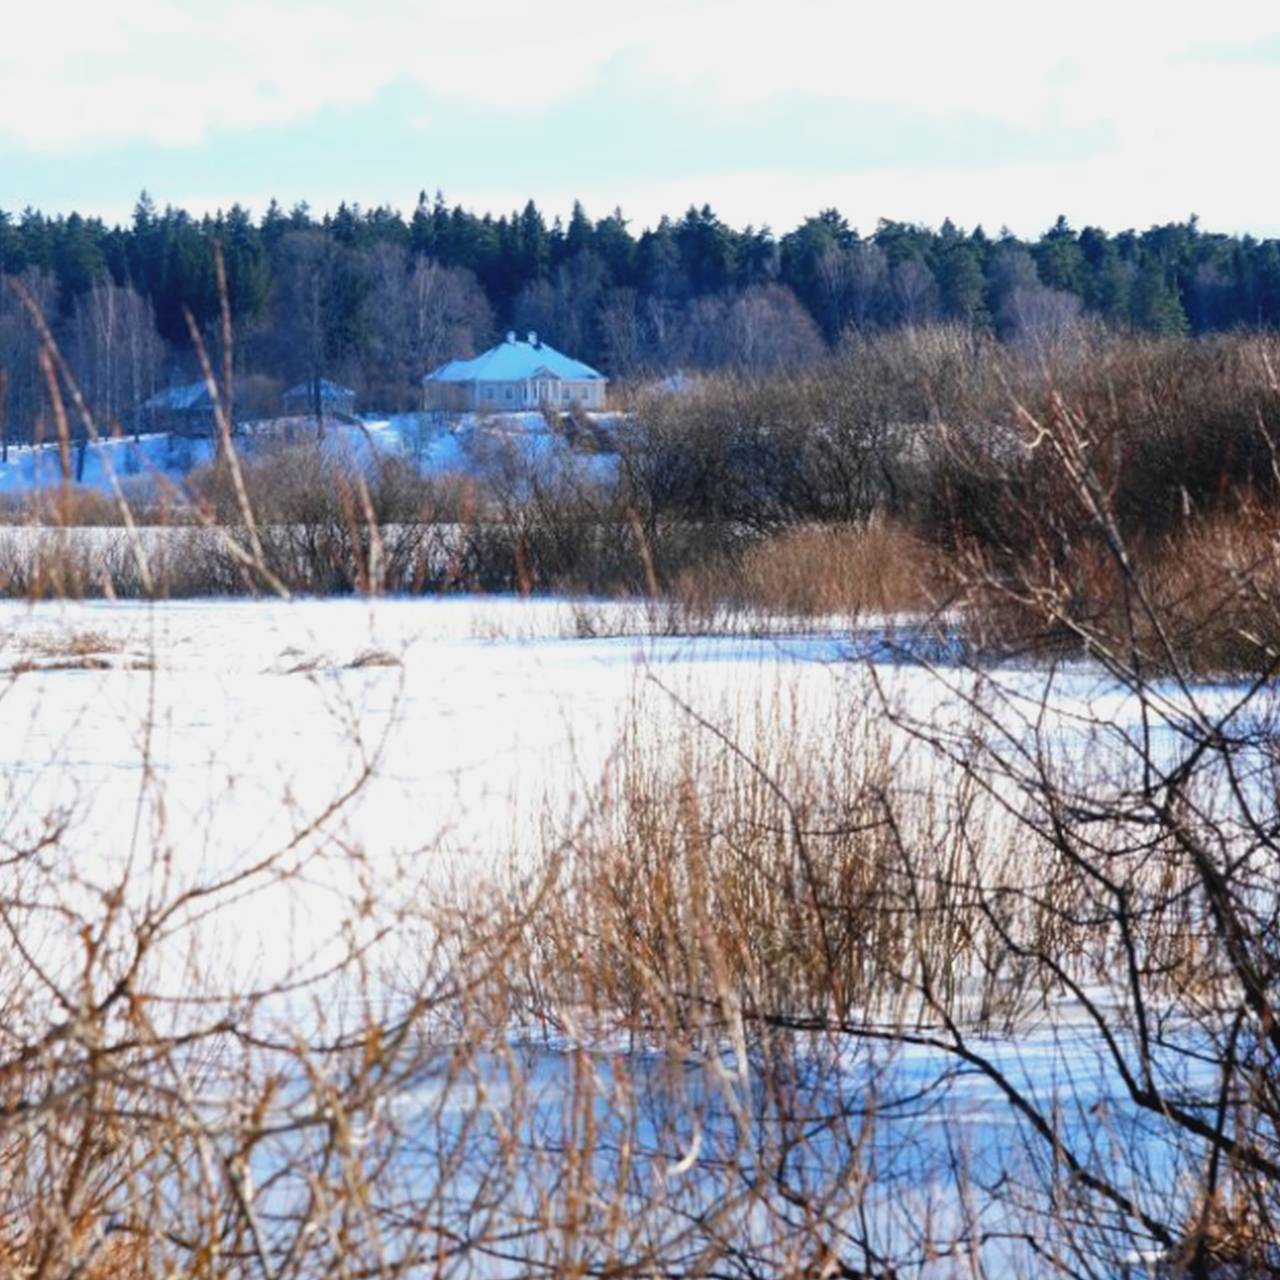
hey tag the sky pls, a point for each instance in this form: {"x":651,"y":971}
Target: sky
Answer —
{"x":1124,"y":113}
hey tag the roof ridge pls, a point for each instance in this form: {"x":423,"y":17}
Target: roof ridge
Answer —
{"x":514,"y":360}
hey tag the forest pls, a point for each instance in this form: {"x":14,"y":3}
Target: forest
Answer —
{"x":375,"y":299}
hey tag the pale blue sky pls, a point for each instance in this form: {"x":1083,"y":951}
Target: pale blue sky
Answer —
{"x":999,"y":113}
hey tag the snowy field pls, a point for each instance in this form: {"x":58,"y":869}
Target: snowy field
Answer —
{"x":374,"y":754}
{"x":234,"y":724}
{"x":466,"y":729}
{"x":478,"y":723}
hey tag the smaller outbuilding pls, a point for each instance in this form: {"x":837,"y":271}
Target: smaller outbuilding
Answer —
{"x":185,"y":410}
{"x":335,"y":401}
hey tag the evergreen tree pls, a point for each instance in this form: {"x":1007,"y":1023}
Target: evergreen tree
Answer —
{"x":274,"y":225}
{"x":1060,"y":260}
{"x":808,"y":259}
{"x":422,"y":229}
{"x":612,"y":240}
{"x":77,"y":261}
{"x":961,"y":283}
{"x":661,"y":270}
{"x":580,"y":233}
{"x":1155,"y":305}
{"x":11,"y":256}
{"x":630,"y":299}
{"x":248,"y":277}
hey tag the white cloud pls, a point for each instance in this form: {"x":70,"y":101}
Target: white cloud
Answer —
{"x":1172,"y":128}
{"x":167,"y":71}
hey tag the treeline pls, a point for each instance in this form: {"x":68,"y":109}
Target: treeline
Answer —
{"x":374,"y":298}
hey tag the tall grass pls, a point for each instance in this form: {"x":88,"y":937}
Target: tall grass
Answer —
{"x":839,"y":571}
{"x":818,"y":866}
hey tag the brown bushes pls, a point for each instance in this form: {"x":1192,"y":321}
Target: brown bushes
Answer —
{"x":851,"y":571}
{"x":749,"y":906}
{"x":833,"y":444}
{"x":1217,"y":589}
{"x":77,"y":507}
{"x":1202,"y":599}
{"x":1189,"y":425}
{"x":1172,"y":430}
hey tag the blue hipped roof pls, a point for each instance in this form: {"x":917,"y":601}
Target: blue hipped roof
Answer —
{"x":328,"y":391}
{"x":513,"y":361}
{"x":193,"y":395}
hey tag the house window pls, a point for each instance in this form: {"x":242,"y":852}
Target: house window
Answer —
{"x":509,"y":393}
{"x":488,"y":393}
{"x":564,"y":395}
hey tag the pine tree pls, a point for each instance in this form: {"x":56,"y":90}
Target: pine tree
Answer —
{"x":580,"y":234}
{"x":616,"y":246}
{"x":961,"y":284}
{"x":1155,"y":305}
{"x":274,"y":224}
{"x":11,"y":258}
{"x":1060,"y":260}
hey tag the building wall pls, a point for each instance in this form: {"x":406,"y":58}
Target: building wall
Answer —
{"x":568,"y":394}
{"x":590,"y":395}
{"x":508,"y":397}
{"x":500,"y":397}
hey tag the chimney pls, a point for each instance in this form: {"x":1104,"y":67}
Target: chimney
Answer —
{"x":511,"y":335}
{"x":533,"y":339}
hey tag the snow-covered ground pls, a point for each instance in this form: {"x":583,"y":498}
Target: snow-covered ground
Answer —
{"x":468,"y":444}
{"x":187,"y":742}
{"x":135,"y":464}
{"x":478,"y":721}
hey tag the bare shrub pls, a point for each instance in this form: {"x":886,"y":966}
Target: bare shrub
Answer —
{"x":1218,"y":586}
{"x":1173,"y":430}
{"x":152,"y":503}
{"x":1209,"y":595}
{"x":1187,"y":1013}
{"x":1195,"y":424}
{"x":323,"y":523}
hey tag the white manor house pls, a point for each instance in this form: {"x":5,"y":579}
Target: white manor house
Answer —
{"x":513,"y":376}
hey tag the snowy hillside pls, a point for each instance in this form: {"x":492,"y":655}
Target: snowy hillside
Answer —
{"x":467,"y":444}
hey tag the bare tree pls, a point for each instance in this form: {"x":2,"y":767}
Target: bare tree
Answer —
{"x":855,"y":284}
{"x":566,"y":309}
{"x":304,"y":309}
{"x":762,"y":330}
{"x":622,"y":335}
{"x":19,"y":354}
{"x":867,"y":282}
{"x":1039,"y":317}
{"x":419,"y":314}
{"x":768,"y":330}
{"x":914,"y":291}
{"x":115,"y":350}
